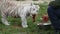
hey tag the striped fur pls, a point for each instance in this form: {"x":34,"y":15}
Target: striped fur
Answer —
{"x":15,"y":9}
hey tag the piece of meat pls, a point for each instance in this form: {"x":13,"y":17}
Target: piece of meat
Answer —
{"x":33,"y":18}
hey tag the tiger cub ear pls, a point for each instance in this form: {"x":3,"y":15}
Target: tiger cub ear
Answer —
{"x":37,"y":6}
{"x":32,"y":4}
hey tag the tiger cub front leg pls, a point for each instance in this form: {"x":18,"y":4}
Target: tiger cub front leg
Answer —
{"x":24,"y":22}
{"x":4,"y":19}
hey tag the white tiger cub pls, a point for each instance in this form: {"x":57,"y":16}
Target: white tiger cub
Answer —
{"x":22,"y":11}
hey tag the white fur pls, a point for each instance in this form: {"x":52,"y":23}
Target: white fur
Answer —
{"x":21,"y":11}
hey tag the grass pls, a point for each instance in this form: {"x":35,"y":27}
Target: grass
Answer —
{"x":15,"y":27}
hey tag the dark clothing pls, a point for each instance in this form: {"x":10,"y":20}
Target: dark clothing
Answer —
{"x":54,"y":15}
